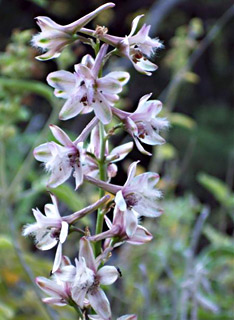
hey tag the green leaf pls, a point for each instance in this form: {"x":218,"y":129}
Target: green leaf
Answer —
{"x":218,"y":238}
{"x":166,"y":152}
{"x":179,"y":119}
{"x":6,"y":312}
{"x":218,"y":189}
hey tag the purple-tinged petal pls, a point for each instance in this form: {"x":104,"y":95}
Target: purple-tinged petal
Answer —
{"x":46,"y":23}
{"x":50,"y":54}
{"x":141,"y":148}
{"x":112,"y":170}
{"x":120,"y":202}
{"x":109,"y":85}
{"x":66,"y":273}
{"x":100,"y":303}
{"x":121,"y":76}
{"x":141,"y":236}
{"x":102,"y":109}
{"x":84,"y":72}
{"x":60,"y":302}
{"x":71,"y":108}
{"x":43,"y":152}
{"x":78,"y":295}
{"x":131,"y":222}
{"x":78,"y":174}
{"x":63,"y":81}
{"x":50,"y":287}
{"x":99,"y":60}
{"x":131,"y":173}
{"x":63,"y":232}
{"x":145,"y":66}
{"x":60,"y":173}
{"x":120,"y":152}
{"x":107,"y":275}
{"x":75,"y":26}
{"x":51,"y":212}
{"x":58,"y":258}
{"x":61,"y":136}
{"x":88,"y":61}
{"x":55,"y":203}
{"x":135,"y":24}
{"x":45,"y":242}
{"x":87,"y":253}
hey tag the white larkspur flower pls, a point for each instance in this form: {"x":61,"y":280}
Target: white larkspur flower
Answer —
{"x":54,"y":37}
{"x":143,"y":124}
{"x":94,"y":151}
{"x":138,"y":48}
{"x":86,"y":278}
{"x":137,"y":197}
{"x":51,"y":229}
{"x":85,"y":91}
{"x":61,"y":160}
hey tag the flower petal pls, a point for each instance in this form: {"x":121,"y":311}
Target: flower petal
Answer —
{"x":58,"y":258}
{"x":71,"y":108}
{"x":131,"y":222}
{"x":109,"y":85}
{"x":131,"y":173}
{"x":135,"y":24}
{"x":120,"y":152}
{"x":78,"y":295}
{"x":107,"y":275}
{"x":100,"y":303}
{"x":120,"y":202}
{"x":121,"y":76}
{"x":87,"y":253}
{"x":141,"y":236}
{"x":64,"y":232}
{"x":60,"y":173}
{"x":43,"y":152}
{"x":50,"y":287}
{"x":78,"y":174}
{"x":60,"y":302}
{"x":61,"y":136}
{"x":102,"y":109}
{"x":62,"y":80}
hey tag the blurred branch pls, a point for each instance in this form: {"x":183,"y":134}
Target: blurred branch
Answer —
{"x":169,"y":94}
{"x":189,"y":268}
{"x":159,"y":10}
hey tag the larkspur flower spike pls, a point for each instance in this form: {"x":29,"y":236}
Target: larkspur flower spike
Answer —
{"x":86,"y":90}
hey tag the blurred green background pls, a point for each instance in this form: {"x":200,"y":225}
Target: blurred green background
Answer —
{"x":187,"y":271}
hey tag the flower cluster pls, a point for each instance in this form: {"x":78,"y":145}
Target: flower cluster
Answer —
{"x":84,"y":91}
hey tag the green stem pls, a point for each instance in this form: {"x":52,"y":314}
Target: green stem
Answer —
{"x":75,"y":306}
{"x":102,"y":173}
